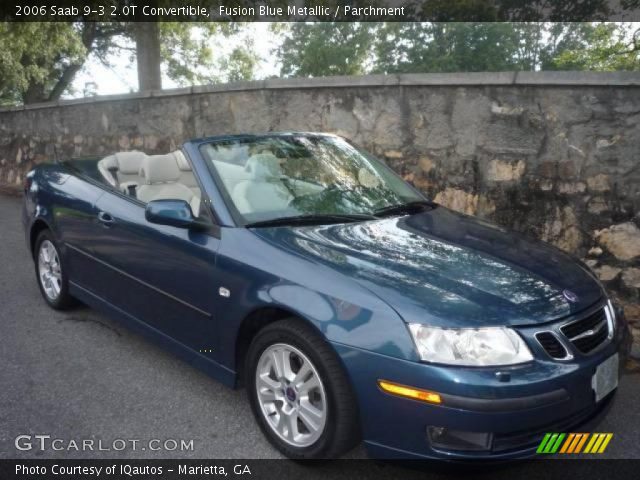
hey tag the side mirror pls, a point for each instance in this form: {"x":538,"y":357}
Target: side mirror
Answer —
{"x":175,"y":213}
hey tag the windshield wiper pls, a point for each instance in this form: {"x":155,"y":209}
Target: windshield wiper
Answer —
{"x":315,"y":219}
{"x":409,"y":207}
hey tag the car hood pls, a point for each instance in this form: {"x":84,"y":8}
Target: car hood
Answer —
{"x":444,"y":268}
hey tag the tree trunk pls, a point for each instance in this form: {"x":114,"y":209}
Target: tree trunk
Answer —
{"x":148,"y":53}
{"x":34,"y":94}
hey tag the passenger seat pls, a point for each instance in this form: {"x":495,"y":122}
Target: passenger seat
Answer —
{"x":161,"y":181}
{"x":264,"y":190}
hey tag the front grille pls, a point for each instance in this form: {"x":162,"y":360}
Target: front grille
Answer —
{"x":576,"y":328}
{"x":588,"y":333}
{"x":552,"y":345}
{"x":587,"y":344}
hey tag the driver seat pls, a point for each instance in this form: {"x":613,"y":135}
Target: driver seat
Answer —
{"x":263,"y":191}
{"x":161,"y":177}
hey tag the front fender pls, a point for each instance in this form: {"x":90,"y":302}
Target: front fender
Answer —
{"x":36,"y":212}
{"x":366,"y":323}
{"x":262,"y":276}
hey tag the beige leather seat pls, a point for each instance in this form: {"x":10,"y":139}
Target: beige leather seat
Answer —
{"x":187,"y":176}
{"x":161,"y":181}
{"x":230,"y":174}
{"x":264,"y":190}
{"x":125,"y":165}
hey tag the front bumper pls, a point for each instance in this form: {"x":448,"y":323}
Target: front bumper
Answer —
{"x":541,"y":396}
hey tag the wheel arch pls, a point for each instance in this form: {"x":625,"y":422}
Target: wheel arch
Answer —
{"x":38,"y":226}
{"x":252,"y":324}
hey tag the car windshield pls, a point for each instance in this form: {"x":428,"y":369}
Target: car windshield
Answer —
{"x":282,"y":177}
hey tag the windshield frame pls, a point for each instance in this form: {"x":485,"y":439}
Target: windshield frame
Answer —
{"x":238,"y":218}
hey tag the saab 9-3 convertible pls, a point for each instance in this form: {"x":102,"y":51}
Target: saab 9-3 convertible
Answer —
{"x":348,"y":305}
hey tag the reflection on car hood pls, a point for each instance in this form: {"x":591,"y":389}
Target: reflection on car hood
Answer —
{"x":444,"y":268}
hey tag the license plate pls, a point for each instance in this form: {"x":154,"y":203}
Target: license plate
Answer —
{"x":605,"y":380}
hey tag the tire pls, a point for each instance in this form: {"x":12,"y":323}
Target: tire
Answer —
{"x":307,"y":352}
{"x":49,"y":261}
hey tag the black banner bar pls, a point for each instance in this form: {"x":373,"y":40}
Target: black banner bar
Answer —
{"x":320,"y":10}
{"x":579,"y":468}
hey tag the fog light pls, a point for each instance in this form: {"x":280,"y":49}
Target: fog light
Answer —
{"x":446,"y":439}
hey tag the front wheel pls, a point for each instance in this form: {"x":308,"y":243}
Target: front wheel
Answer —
{"x":299,"y":392}
{"x":52,"y":278}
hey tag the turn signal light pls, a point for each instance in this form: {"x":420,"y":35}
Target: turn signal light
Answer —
{"x":409,"y":392}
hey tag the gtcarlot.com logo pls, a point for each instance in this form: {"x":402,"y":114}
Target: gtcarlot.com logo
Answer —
{"x":47,"y":442}
{"x":574,"y":443}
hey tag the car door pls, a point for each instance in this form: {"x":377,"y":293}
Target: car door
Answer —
{"x":163,"y":276}
{"x":73,"y":209}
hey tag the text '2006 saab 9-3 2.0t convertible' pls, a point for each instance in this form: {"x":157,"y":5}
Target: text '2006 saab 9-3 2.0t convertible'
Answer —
{"x":348,"y":305}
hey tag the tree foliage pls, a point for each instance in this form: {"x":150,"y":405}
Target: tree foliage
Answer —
{"x":603,"y":47}
{"x":188,"y":52}
{"x":326,"y":49}
{"x":446,"y":47}
{"x":240,"y":64}
{"x":38,"y":61}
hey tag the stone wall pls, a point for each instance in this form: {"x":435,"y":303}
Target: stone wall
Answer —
{"x":555,"y":155}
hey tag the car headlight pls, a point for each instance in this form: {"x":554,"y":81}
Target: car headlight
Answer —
{"x":611,"y":317}
{"x":474,"y":347}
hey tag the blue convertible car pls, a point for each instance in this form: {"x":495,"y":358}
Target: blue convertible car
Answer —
{"x":349,"y":306}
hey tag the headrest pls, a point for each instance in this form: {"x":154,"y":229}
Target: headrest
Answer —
{"x":159,"y":169}
{"x":232,"y":154}
{"x":108,"y":163}
{"x":106,"y":167}
{"x":263,"y":166}
{"x":129,"y":162}
{"x":367,"y":178}
{"x":183,"y":163}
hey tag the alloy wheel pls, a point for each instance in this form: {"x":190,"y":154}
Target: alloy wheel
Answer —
{"x":49,"y":270}
{"x":291,"y":395}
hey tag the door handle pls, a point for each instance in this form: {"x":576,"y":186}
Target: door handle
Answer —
{"x":106,"y":219}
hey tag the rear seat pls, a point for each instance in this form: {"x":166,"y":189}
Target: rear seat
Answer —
{"x":125,"y":169}
{"x":122,"y":169}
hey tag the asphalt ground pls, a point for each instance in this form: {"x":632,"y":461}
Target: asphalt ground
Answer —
{"x":80,"y":375}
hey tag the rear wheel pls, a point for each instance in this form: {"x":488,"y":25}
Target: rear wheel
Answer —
{"x":299,"y":392}
{"x":50,"y":273}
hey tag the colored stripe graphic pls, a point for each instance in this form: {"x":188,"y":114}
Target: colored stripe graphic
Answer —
{"x":577,"y":443}
{"x":556,"y":445}
{"x":605,"y":442}
{"x":551,"y":442}
{"x":581,"y":443}
{"x":592,"y":441}
{"x":567,"y":442}
{"x":598,"y":442}
{"x":573,"y":443}
{"x":543,"y":443}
